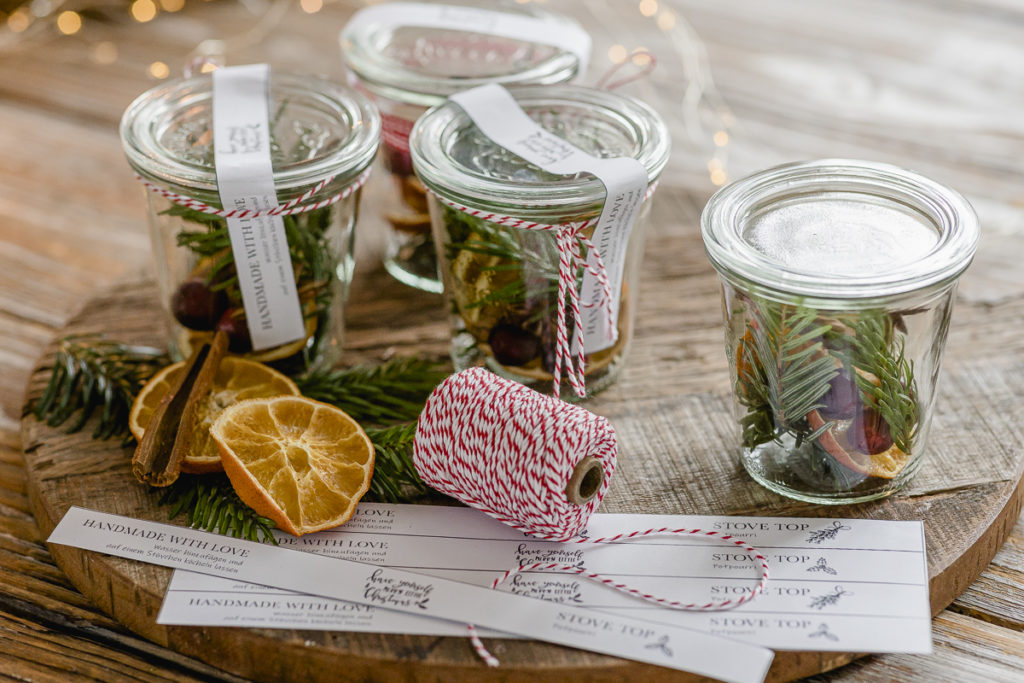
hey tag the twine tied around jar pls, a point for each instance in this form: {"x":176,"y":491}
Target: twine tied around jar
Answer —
{"x":291,"y":207}
{"x":568,"y":239}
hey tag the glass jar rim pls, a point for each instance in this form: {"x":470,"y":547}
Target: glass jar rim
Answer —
{"x":436,"y":131}
{"x":149,"y":115}
{"x":363,"y":50}
{"x":726,"y":213}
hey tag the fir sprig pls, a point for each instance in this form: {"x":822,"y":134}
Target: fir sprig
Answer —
{"x":90,"y":373}
{"x":394,"y":391}
{"x":878,"y":350}
{"x":210,"y":503}
{"x":783,"y":372}
{"x":394,"y":477}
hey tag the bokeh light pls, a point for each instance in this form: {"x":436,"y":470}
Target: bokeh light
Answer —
{"x":159,"y":70}
{"x":648,"y":8}
{"x":69,"y":22}
{"x":143,"y":10}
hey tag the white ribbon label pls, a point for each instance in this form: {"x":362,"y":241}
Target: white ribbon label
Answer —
{"x":245,"y":180}
{"x":652,"y":642}
{"x":563,"y":35}
{"x":500,"y":118}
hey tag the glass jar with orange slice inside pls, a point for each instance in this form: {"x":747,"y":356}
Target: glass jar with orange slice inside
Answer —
{"x":323,"y":137}
{"x":838,"y":281}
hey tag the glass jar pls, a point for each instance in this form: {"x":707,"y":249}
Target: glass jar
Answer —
{"x":838,"y":280}
{"x":407,"y":70}
{"x":320,"y":131}
{"x":500,"y":282}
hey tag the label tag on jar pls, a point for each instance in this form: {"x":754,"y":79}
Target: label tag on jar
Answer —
{"x":499,"y":117}
{"x":245,"y":180}
{"x":538,"y":30}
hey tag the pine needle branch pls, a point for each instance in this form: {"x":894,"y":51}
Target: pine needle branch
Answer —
{"x":91,"y":373}
{"x":210,"y":503}
{"x":392,"y":392}
{"x":395,"y":479}
{"x":877,"y":349}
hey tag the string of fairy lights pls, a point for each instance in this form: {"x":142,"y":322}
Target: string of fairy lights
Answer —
{"x":705,"y":114}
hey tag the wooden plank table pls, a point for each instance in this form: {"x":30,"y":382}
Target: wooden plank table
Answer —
{"x":931,"y":86}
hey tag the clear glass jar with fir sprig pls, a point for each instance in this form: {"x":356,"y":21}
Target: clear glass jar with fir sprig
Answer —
{"x":838,"y":281}
{"x":319,"y":131}
{"x":501,"y":278}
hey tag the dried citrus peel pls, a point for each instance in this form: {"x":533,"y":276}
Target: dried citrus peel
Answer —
{"x":884,"y":465}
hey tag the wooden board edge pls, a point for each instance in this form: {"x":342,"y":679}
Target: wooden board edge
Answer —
{"x":947,"y":584}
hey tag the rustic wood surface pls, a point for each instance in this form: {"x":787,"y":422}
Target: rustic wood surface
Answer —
{"x":933,"y":86}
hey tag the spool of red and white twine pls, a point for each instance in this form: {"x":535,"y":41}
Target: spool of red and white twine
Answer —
{"x":538,"y":464}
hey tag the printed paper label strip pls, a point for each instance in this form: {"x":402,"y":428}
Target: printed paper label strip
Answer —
{"x":180,"y":548}
{"x":245,"y":180}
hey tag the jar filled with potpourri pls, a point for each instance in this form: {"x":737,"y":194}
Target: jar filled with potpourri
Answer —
{"x":838,"y":280}
{"x":541,"y":289}
{"x":410,"y":56}
{"x":267,"y":254}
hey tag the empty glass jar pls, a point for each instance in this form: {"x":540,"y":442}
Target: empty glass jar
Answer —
{"x":319,"y":131}
{"x":838,"y":281}
{"x":407,"y":69}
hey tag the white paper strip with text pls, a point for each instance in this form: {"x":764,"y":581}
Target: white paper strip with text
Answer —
{"x":245,"y":180}
{"x":405,"y":591}
{"x":852,"y":585}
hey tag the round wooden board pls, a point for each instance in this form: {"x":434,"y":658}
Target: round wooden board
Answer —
{"x":671,"y":411}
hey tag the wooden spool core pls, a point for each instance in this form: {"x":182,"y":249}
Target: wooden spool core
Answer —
{"x":586,"y":480}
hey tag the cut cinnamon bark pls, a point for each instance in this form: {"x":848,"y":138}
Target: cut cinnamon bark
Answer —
{"x":171,"y":430}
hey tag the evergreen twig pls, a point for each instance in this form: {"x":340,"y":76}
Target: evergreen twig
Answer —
{"x":394,"y":391}
{"x":210,"y":503}
{"x":395,"y":479}
{"x":878,"y":350}
{"x":783,"y":372}
{"x":91,"y":373}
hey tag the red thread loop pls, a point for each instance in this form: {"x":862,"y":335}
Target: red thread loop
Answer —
{"x":292,"y":206}
{"x":711,"y":606}
{"x":645,"y":70}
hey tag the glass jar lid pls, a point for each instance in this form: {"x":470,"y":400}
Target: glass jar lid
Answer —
{"x":455,"y":159}
{"x":318,"y":129}
{"x":422,"y":66}
{"x":839,"y":228}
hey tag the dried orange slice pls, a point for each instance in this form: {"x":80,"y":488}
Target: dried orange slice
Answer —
{"x":236,"y":379}
{"x":300,"y":462}
{"x":884,"y":465}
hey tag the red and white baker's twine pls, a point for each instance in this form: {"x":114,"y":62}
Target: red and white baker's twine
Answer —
{"x":711,"y":606}
{"x":292,"y":206}
{"x":510,"y":451}
{"x":568,"y":238}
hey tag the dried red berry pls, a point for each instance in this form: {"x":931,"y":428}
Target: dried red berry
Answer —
{"x":234,"y":324}
{"x":196,"y":306}
{"x":512,"y":345}
{"x":869,"y":432}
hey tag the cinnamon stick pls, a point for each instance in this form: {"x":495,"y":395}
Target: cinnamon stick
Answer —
{"x":171,"y":431}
